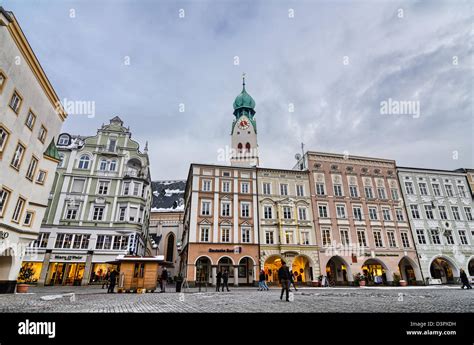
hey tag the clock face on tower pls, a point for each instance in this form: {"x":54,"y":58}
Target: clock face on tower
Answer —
{"x":243,"y":123}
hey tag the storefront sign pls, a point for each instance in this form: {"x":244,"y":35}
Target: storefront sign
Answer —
{"x":385,"y":254}
{"x":236,"y":250}
{"x":69,"y":257}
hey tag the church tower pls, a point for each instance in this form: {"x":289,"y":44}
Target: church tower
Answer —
{"x":244,"y":131}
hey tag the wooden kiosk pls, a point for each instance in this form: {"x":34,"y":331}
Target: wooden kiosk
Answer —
{"x":138,"y":273}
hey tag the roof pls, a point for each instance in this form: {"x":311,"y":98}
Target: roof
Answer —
{"x":168,"y":196}
{"x":52,"y":151}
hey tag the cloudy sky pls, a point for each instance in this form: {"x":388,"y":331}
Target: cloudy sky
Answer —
{"x":317,"y":70}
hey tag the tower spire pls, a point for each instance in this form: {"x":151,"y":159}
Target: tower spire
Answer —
{"x":243,"y":81}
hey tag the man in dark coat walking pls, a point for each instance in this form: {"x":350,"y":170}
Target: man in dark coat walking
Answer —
{"x":218,"y":281}
{"x":225,"y":278}
{"x":113,"y":279}
{"x":464,"y":280}
{"x":284,"y":278}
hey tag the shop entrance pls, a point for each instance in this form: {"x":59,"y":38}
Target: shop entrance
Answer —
{"x":203,"y":270}
{"x":60,"y":273}
{"x":336,"y":270}
{"x":374,"y":272}
{"x":301,"y":269}
{"x":407,"y":272}
{"x":246,"y":271}
{"x":442,"y":269}
{"x":271,"y":267}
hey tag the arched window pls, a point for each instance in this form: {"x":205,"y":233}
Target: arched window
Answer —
{"x":84,"y":162}
{"x":63,"y":140}
{"x":103,"y":165}
{"x":247,"y":147}
{"x":239,"y":147}
{"x":113,"y":165}
{"x":170,"y":248}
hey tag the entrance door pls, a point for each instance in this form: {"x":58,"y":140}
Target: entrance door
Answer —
{"x":56,"y":273}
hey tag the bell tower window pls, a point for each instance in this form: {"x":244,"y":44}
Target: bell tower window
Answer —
{"x":247,"y":147}
{"x":239,"y":147}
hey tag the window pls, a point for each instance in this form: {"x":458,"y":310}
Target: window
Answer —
{"x":204,"y":234}
{"x":3,"y":80}
{"x":436,"y":190}
{"x":353,"y":191}
{"x":61,"y":160}
{"x":381,"y":193}
{"x":337,"y":190}
{"x":305,"y":237}
{"x":122,"y":213}
{"x":245,"y":209}
{"x":423,"y":189}
{"x":30,"y":120}
{"x":320,"y":189}
{"x":435,"y":237}
{"x":63,"y":140}
{"x":225,"y":235}
{"x":18,"y":156}
{"x":112,"y":145}
{"x":455,"y":211}
{"x":405,"y":240}
{"x":100,"y":242}
{"x":269,"y":237}
{"x":326,"y":233}
{"x":226,"y":174}
{"x":302,"y":213}
{"x":399,"y":213}
{"x":98,"y":213}
{"x":133,"y":214}
{"x":357,"y":211}
{"x":267,"y":188}
{"x":341,"y":211}
{"x":287,"y":212}
{"x":59,"y":241}
{"x":391,"y":239}
{"x":84,"y":162}
{"x":462,"y":191}
{"x":368,"y":193}
{"x":41,"y":177}
{"x":463,"y":237}
{"x":373,"y":213}
{"x":77,"y":241}
{"x":468,"y":212}
{"x":420,"y":234}
{"x":245,"y":235}
{"x":429,"y":212}
{"x":136,"y":188}
{"x":409,"y":188}
{"x":15,"y":102}
{"x":323,"y":211}
{"x":449,"y":237}
{"x":244,"y":187}
{"x":108,"y":241}
{"x":4,"y":196}
{"x":30,"y":173}
{"x":226,"y":186}
{"x":289,"y":237}
{"x":386,"y":214}
{"x":20,"y":204}
{"x":283,"y":189}
{"x":126,"y":188}
{"x":449,"y":190}
{"x":113,"y":165}
{"x":267,"y":212}
{"x":28,"y":218}
{"x":206,"y":185}
{"x":299,"y":190}
{"x":78,"y":185}
{"x":41,"y":241}
{"x":71,"y":213}
{"x":378,"y":239}
{"x":225,"y":208}
{"x":344,"y":237}
{"x":414,"y":211}
{"x":42,"y":134}
{"x":395,"y":195}
{"x":442,"y":212}
{"x":361,"y":238}
{"x":103,"y":165}
{"x":4,"y":134}
{"x":103,"y":187}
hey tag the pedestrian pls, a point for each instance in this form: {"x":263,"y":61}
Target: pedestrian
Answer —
{"x":113,"y":279}
{"x":261,"y":280}
{"x":164,"y":279}
{"x":465,"y":280}
{"x":284,"y":278}
{"x":218,"y":281}
{"x":225,"y":278}
{"x":292,"y":281}
{"x":105,"y":282}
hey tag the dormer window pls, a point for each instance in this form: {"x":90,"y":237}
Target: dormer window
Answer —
{"x":63,"y":140}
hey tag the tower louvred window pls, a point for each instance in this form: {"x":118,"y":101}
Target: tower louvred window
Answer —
{"x":239,"y":147}
{"x":247,"y":147}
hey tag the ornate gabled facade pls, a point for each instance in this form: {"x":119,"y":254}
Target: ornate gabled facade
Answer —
{"x":440,"y":208}
{"x":31,"y":117}
{"x":99,"y":207}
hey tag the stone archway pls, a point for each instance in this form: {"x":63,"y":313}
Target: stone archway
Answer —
{"x":470,"y":267}
{"x":203,"y":269}
{"x":443,"y":269}
{"x":376,"y":272}
{"x":302,"y":269}
{"x":409,"y":271}
{"x":338,"y":269}
{"x":271,"y":266}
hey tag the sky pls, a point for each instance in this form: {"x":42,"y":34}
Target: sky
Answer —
{"x":322,"y":73}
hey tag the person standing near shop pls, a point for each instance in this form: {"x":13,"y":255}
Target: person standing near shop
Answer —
{"x":464,"y":280}
{"x":164,"y":279}
{"x":284,"y":278}
{"x":262,"y":286}
{"x":225,"y":278}
{"x":106,"y":280}
{"x":292,"y":281}
{"x":113,"y":279}
{"x":218,"y":281}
